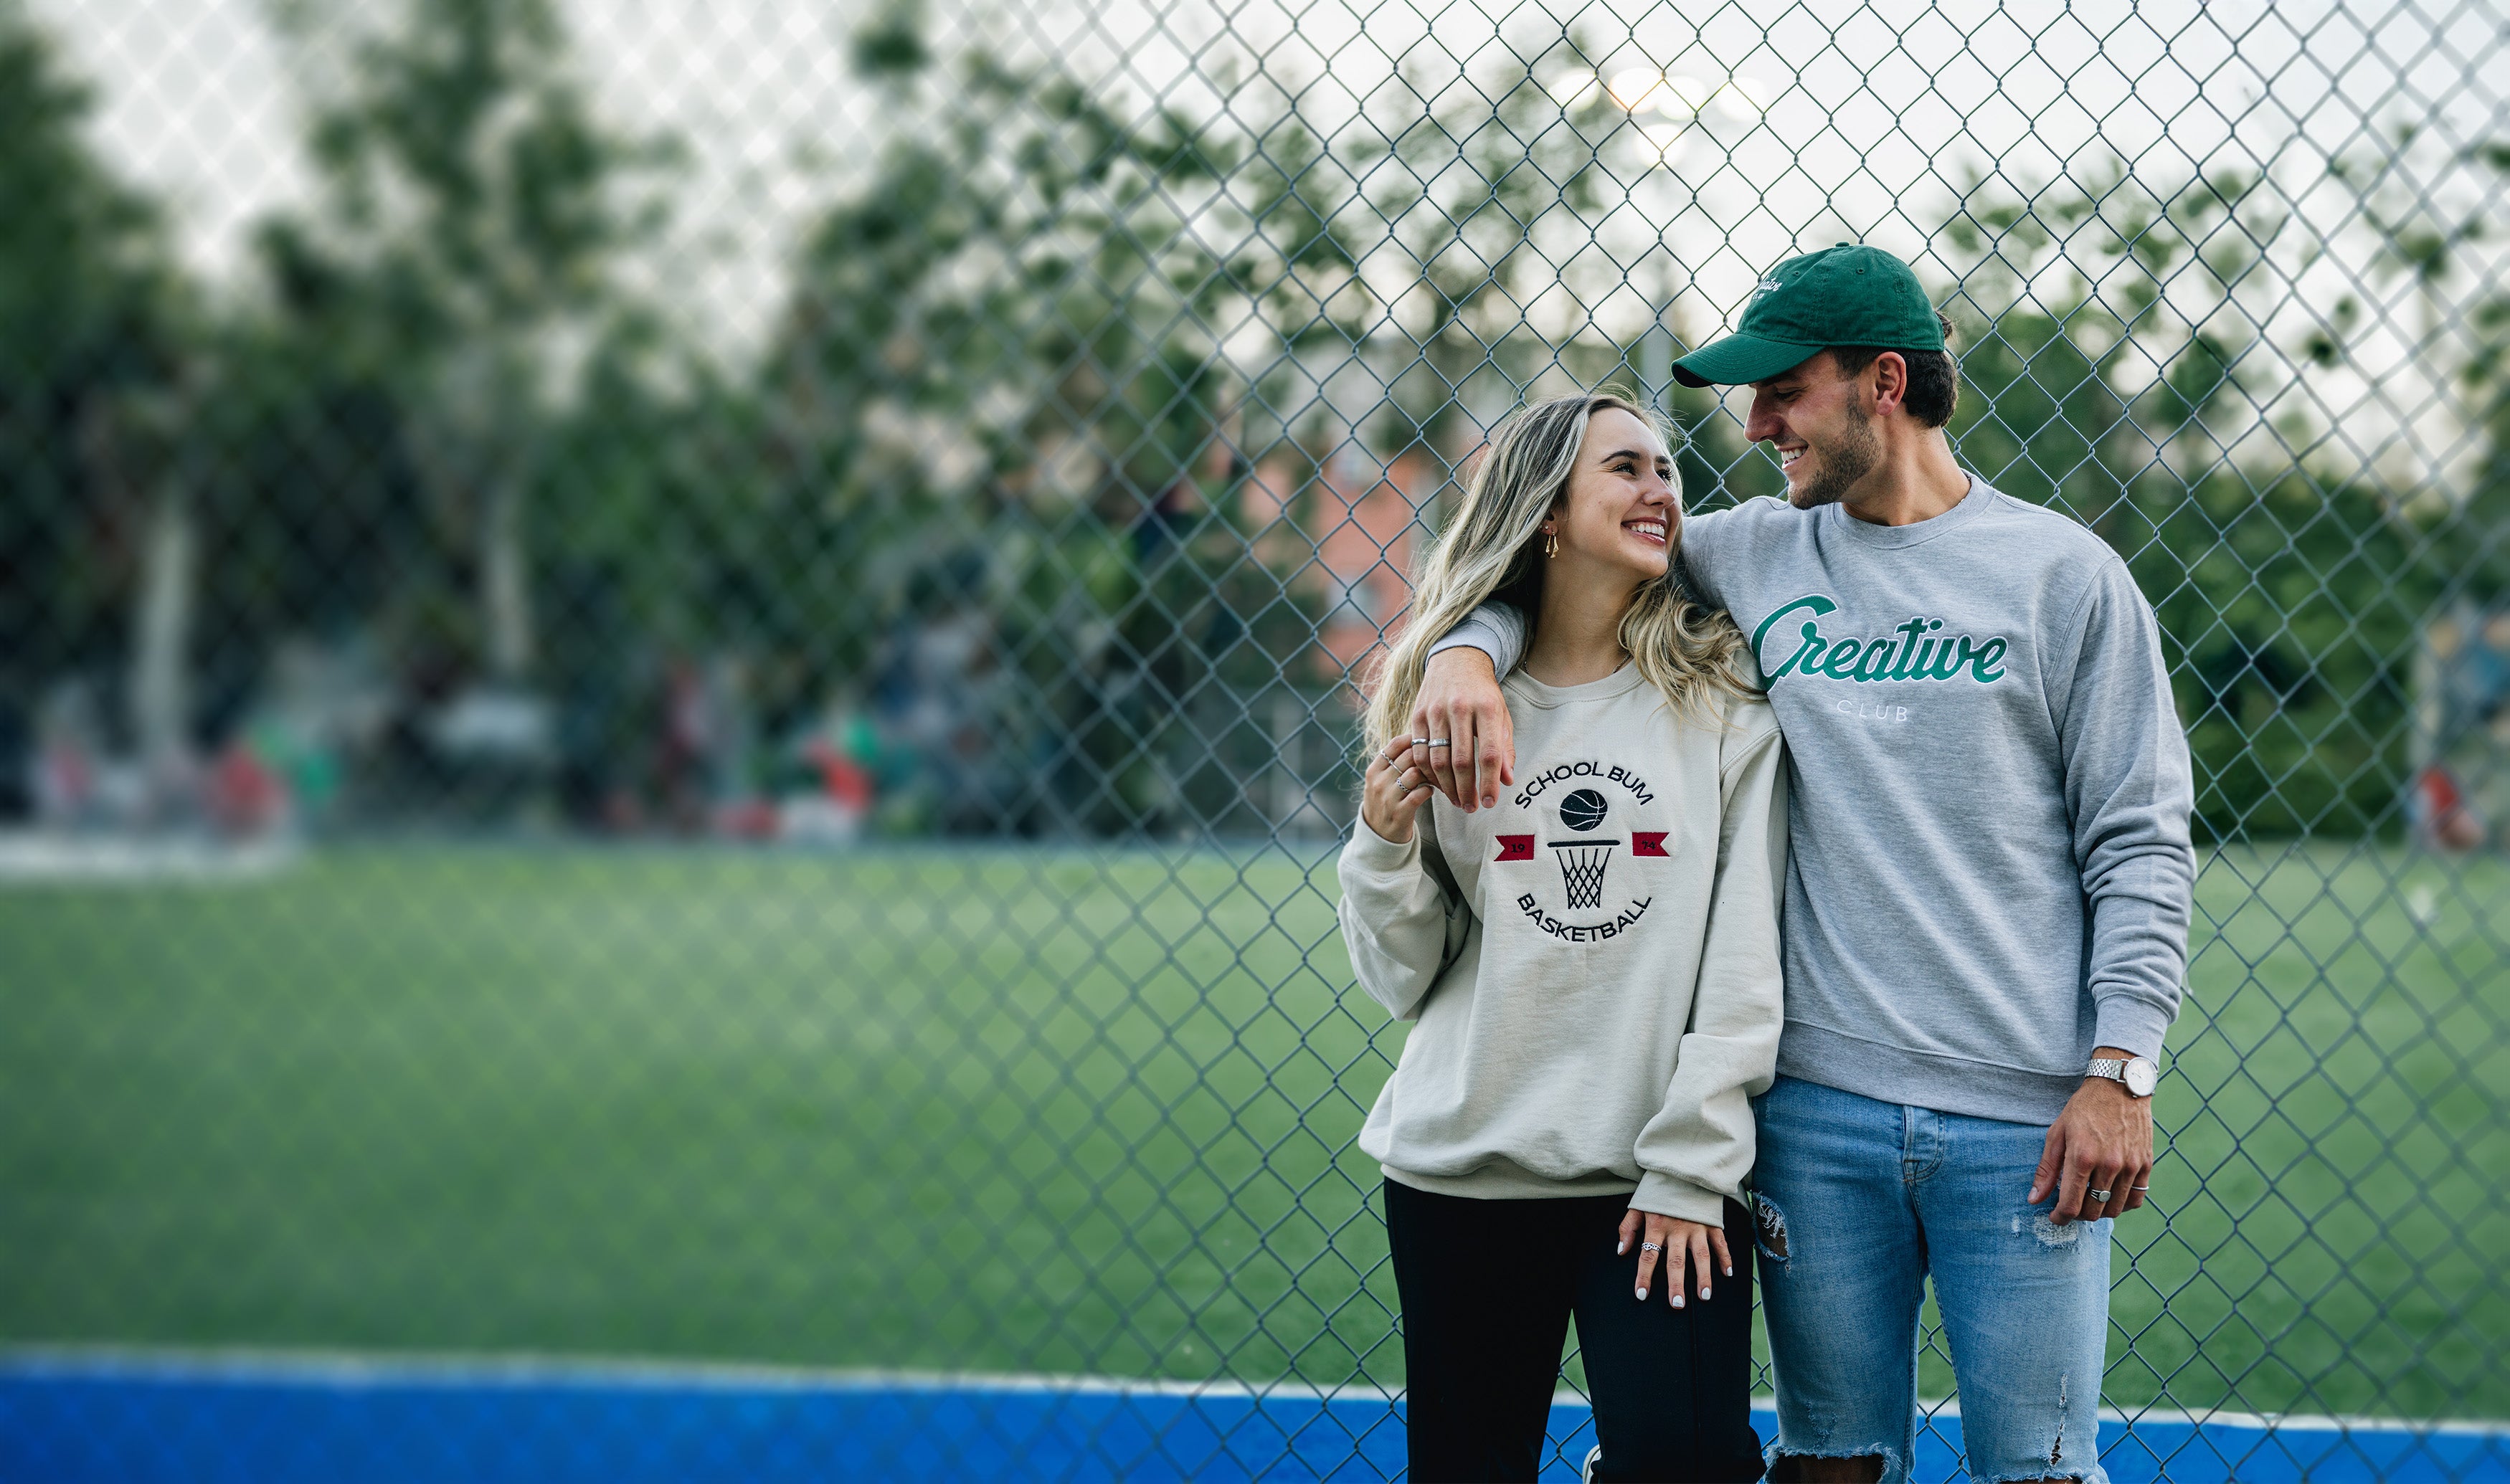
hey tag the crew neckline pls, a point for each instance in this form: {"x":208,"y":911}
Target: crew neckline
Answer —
{"x":1917,"y":532}
{"x":1624,"y":678}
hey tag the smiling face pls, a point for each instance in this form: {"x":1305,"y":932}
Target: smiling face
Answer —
{"x":1622,"y":508}
{"x":1817,"y":421}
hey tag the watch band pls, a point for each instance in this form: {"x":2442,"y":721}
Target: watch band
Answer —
{"x":2120,"y":1071}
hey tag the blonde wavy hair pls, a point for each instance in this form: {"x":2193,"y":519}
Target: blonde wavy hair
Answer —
{"x":1491,"y":548}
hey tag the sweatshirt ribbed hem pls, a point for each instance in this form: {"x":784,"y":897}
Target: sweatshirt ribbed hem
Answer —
{"x":1920,"y":1079}
{"x":1503,"y":1179}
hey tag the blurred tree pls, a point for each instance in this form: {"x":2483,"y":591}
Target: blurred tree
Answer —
{"x":1004,"y":471}
{"x":460,"y":270}
{"x":90,"y":319}
{"x":1476,"y":197}
{"x":2487,"y":380}
{"x":2040,"y":415}
{"x":655,"y":544}
{"x":2287,"y":597}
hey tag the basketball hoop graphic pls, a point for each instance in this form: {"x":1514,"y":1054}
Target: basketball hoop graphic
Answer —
{"x":1582,"y":860}
{"x":1582,"y":869}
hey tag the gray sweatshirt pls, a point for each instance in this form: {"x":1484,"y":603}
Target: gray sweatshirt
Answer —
{"x":1991,"y":871}
{"x":1593,"y":962}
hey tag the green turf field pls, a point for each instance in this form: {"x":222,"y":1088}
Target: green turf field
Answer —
{"x":1063,"y":1112}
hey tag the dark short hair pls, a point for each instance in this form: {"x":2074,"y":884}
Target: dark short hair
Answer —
{"x":1934,"y":382}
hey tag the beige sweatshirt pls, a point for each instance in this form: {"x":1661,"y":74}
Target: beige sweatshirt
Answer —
{"x":1593,"y":964}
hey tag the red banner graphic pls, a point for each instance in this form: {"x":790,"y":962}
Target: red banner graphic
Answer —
{"x":1516,"y":847}
{"x":1648,"y":841}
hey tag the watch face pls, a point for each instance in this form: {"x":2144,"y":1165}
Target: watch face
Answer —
{"x":2140,"y":1075}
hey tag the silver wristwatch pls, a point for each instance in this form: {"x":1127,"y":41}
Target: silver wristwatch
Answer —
{"x":2137,"y":1074}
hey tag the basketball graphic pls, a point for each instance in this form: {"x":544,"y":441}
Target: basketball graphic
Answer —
{"x":1582,"y":862}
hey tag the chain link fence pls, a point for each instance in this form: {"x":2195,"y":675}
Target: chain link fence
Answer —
{"x":678,"y":682}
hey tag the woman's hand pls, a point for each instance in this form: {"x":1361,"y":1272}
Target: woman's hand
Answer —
{"x":1686,"y":1246}
{"x":1395,"y":791}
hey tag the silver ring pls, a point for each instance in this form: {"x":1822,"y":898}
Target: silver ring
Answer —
{"x":1439,"y":741}
{"x":1649,"y":1246}
{"x":1419,"y":741}
{"x":2101,"y":1196}
{"x":2139,"y":1188}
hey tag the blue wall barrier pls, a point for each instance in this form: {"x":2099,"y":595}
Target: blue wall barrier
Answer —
{"x":134,"y":1419}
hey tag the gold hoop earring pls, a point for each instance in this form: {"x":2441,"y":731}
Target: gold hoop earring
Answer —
{"x":1551,"y":544}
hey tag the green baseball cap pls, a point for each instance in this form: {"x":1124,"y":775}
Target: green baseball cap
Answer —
{"x":1848,"y":295}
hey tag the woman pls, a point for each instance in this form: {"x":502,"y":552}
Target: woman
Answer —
{"x":1593,"y":965}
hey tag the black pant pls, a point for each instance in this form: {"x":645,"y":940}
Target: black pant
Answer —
{"x":1487,"y":1289}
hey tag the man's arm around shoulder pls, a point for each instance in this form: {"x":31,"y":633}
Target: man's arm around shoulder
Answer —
{"x":1459,"y":705}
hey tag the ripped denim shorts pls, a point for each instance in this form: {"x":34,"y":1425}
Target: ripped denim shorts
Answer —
{"x":1858,"y":1203}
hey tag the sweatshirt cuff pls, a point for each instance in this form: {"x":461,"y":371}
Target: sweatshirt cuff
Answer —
{"x":1476,"y":632}
{"x":2131,"y":1025}
{"x":1673,"y":1196}
{"x":1372,"y":851}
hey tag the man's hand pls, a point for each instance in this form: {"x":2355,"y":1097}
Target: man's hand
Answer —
{"x":1473,"y":743}
{"x":2102,"y":1142}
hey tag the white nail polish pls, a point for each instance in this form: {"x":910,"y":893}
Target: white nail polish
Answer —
{"x":1677,"y":1301}
{"x":1703,"y":1290}
{"x":1643,"y":1294}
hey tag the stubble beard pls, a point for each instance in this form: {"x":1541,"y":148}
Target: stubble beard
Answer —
{"x":1843,"y":463}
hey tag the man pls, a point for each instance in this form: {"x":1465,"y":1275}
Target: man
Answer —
{"x":1987,"y":901}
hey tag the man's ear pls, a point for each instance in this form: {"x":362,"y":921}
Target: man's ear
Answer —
{"x":1890,"y":372}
